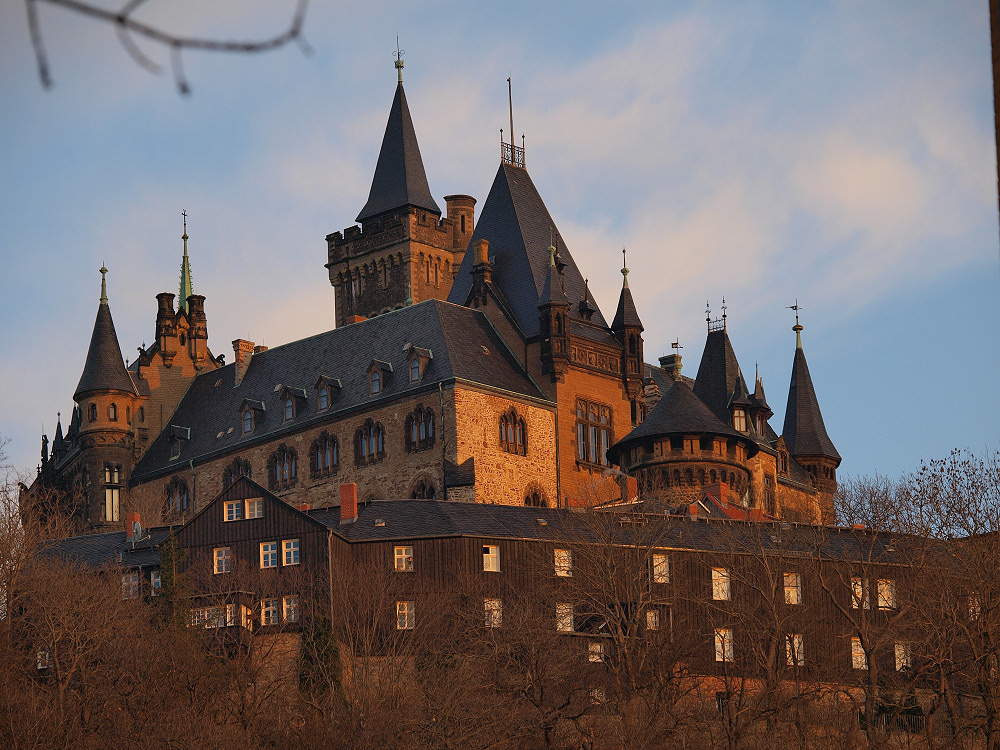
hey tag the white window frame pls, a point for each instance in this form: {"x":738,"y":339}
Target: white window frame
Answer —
{"x":268,"y":555}
{"x":595,"y":651}
{"x":290,"y":551}
{"x":795,"y":650}
{"x":793,"y":587}
{"x":255,"y":507}
{"x":660,"y":568}
{"x":724,"y":651}
{"x":270,"y":611}
{"x":563,"y":562}
{"x":491,"y":558}
{"x":493,"y":611}
{"x":155,"y":582}
{"x":290,"y":608}
{"x":859,"y":659}
{"x":403,"y":558}
{"x":112,"y":504}
{"x":222,"y":560}
{"x":564,"y":617}
{"x":886,"y":592}
{"x":232,"y":510}
{"x":405,"y":615}
{"x":721,"y":585}
{"x":904,"y":656}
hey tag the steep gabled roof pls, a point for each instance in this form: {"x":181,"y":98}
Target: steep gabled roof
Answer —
{"x":519,"y":229}
{"x":718,"y":374}
{"x":804,"y":431}
{"x":399,"y":179}
{"x":105,"y":369}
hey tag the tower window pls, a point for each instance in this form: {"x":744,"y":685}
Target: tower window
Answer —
{"x":142,"y":414}
{"x":92,"y":413}
{"x":112,"y":492}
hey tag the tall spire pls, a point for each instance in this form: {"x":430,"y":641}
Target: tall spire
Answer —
{"x":626,"y":315}
{"x":105,"y":369}
{"x":186,"y":289}
{"x":804,"y":431}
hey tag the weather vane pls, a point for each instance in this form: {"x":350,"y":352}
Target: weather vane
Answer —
{"x":399,"y":59}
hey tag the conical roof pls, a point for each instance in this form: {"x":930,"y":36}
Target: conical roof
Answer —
{"x":519,"y":229}
{"x":718,"y":374}
{"x":626,"y":316}
{"x":759,"y":399}
{"x":105,"y":369}
{"x":804,"y":431}
{"x":399,"y":179}
{"x":552,"y":293}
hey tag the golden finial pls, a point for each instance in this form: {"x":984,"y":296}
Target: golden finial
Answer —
{"x":797,"y":327}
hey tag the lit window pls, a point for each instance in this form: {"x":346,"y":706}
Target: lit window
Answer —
{"x":513,"y":433}
{"x":43,"y":659}
{"x":904,"y":659}
{"x":405,"y":615}
{"x":595,"y":651}
{"x":795,"y":655}
{"x":564,"y":563}
{"x":130,"y":585}
{"x":724,"y":645}
{"x":661,"y":568}
{"x":793,"y":588}
{"x":859,"y":594}
{"x":886,"y":593}
{"x":113,"y":412}
{"x":593,"y":433}
{"x":739,"y":419}
{"x":234,"y":510}
{"x":859,"y":660}
{"x":255,"y":508}
{"x":414,"y":370}
{"x":564,"y":618}
{"x":491,"y":558}
{"x":652,"y":619}
{"x":494,"y":612}
{"x":290,"y":548}
{"x":290,"y":608}
{"x":223,"y":557}
{"x":289,"y":408}
{"x":720,"y":584}
{"x":404,"y":559}
{"x":269,"y":554}
{"x":269,"y":611}
{"x":376,"y":382}
{"x":112,"y":504}
{"x":155,"y":582}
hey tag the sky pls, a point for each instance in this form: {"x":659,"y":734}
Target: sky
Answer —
{"x":836,"y":153}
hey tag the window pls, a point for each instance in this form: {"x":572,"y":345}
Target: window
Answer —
{"x":289,"y":408}
{"x":783,"y":463}
{"x":177,"y":499}
{"x":223,"y":557}
{"x":92,"y":413}
{"x":793,"y":588}
{"x":269,"y":554}
{"x":593,"y":433}
{"x":423,"y":490}
{"x":376,"y":382}
{"x":403,"y":559}
{"x":859,"y":594}
{"x":290,"y":608}
{"x":43,"y":659}
{"x":720,"y":584}
{"x":155,"y":582}
{"x":240,"y":467}
{"x":405,"y":615}
{"x":652,"y":619}
{"x":419,"y":429}
{"x":513,"y":433}
{"x":414,"y":369}
{"x":290,"y":551}
{"x":233,"y":510}
{"x":369,"y":443}
{"x":491,"y":558}
{"x":255,"y":508}
{"x":324,"y":398}
{"x":886,"y":588}
{"x":175,"y":447}
{"x":269,"y":611}
{"x":284,"y":470}
{"x":142,"y":414}
{"x":795,"y":655}
{"x":769,"y":502}
{"x":130,"y":585}
{"x":859,"y":659}
{"x":564,"y":563}
{"x":661,"y":568}
{"x":247,"y":421}
{"x":723,"y":645}
{"x":595,"y":651}
{"x":564,"y":618}
{"x":739,"y":419}
{"x":112,"y":492}
{"x":494,"y":612}
{"x":904,"y":659}
{"x":535,"y":498}
{"x":324,"y":455}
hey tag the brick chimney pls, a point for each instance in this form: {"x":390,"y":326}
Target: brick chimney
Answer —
{"x":133,"y":527}
{"x":348,"y":503}
{"x":244,"y":352}
{"x":693,"y":511}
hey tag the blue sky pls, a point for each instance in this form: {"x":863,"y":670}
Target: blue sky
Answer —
{"x":840,"y":153}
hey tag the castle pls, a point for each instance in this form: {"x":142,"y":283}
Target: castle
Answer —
{"x":469,"y":363}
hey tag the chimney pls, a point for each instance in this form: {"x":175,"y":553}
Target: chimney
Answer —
{"x":133,"y":528}
{"x":164,"y":315}
{"x":693,"y":511}
{"x":672,"y":364}
{"x":348,"y":503}
{"x":244,"y":352}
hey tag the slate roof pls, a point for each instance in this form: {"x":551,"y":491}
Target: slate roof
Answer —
{"x":109,"y":548}
{"x":804,"y":431}
{"x":718,"y":374}
{"x":399,"y":179}
{"x":457,"y":336}
{"x":517,"y":225}
{"x":104,"y":369}
{"x":626,"y":314}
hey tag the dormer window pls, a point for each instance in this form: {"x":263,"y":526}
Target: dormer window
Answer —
{"x":175,"y":447}
{"x":414,"y":370}
{"x":289,"y":408}
{"x":418,"y":359}
{"x":326,"y":389}
{"x":251,"y":411}
{"x":324,"y":397}
{"x":739,"y":419}
{"x":378,"y":376}
{"x":247,"y":421}
{"x":376,"y":382}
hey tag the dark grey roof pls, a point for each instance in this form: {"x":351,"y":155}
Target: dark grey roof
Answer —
{"x":108,"y":548}
{"x":626,"y":316}
{"x":105,"y":369}
{"x":759,"y":399}
{"x":519,"y":229}
{"x":399,"y":179}
{"x":552,"y":291}
{"x":718,"y":374}
{"x":804,"y":431}
{"x":459,"y":337}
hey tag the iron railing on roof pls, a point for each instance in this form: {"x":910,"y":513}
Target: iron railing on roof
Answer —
{"x":511,"y":154}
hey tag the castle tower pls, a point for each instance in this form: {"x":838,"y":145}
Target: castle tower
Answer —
{"x":627,"y":328}
{"x":106,"y":396}
{"x":553,"y":322}
{"x":404,"y":252}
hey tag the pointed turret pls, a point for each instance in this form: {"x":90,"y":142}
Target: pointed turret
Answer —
{"x":804,"y":431}
{"x":400,"y":180}
{"x":719,"y":370}
{"x":105,"y":368}
{"x":627,"y":329}
{"x":552,"y":319}
{"x":186,"y":288}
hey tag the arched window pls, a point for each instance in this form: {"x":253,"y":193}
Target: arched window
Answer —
{"x":289,"y":408}
{"x":419,"y":431}
{"x":177,"y":501}
{"x":369,"y":443}
{"x":376,"y":382}
{"x":283,"y":468}
{"x":175,"y":447}
{"x":414,"y":369}
{"x":534,"y":497}
{"x":423,"y":490}
{"x":324,"y":398}
{"x":324,"y":456}
{"x":113,"y":412}
{"x":240,"y":467}
{"x":513,"y":433}
{"x":593,"y":433}
{"x":247,"y":421}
